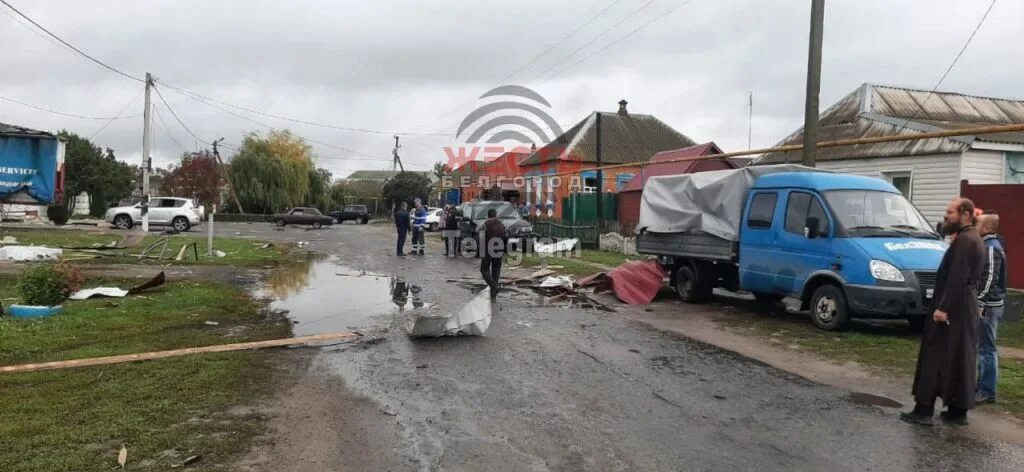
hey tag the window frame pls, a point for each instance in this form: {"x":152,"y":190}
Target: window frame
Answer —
{"x":761,"y":224}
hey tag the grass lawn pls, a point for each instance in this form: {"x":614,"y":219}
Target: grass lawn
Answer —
{"x":240,"y":251}
{"x":164,"y":410}
{"x":886,"y":349}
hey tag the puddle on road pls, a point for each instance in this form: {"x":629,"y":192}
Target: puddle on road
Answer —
{"x":322,"y":296}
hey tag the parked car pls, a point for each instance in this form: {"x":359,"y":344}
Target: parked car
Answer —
{"x":352,"y":213}
{"x":434,"y":217}
{"x":303,"y":216}
{"x":473,"y":214}
{"x":845,"y":246}
{"x":179,"y":213}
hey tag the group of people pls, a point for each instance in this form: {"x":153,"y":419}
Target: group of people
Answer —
{"x":958,"y":361}
{"x":494,"y":239}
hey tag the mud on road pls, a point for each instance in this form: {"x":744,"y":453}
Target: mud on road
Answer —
{"x":552,"y":388}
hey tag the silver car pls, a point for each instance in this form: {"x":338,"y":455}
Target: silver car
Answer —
{"x":179,"y":213}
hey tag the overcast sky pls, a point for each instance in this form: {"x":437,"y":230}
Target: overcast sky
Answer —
{"x":419,"y":66}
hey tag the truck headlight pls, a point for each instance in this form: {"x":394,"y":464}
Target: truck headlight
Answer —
{"x":882,"y":270}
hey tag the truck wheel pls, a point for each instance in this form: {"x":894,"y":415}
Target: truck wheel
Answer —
{"x":689,"y":287}
{"x":123,"y":222}
{"x":828,"y":308}
{"x":280,"y":222}
{"x":180,"y":224}
{"x":317,"y":225}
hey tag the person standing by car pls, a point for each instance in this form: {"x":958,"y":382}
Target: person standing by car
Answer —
{"x":402,"y":226}
{"x":450,"y":231}
{"x":419,"y":224}
{"x":947,"y":365}
{"x":991,"y":301}
{"x":492,"y":251}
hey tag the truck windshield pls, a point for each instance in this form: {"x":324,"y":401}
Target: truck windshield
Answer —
{"x":871,"y":213}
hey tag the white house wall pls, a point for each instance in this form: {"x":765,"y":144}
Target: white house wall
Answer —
{"x":935,"y":179}
{"x":983,"y":166}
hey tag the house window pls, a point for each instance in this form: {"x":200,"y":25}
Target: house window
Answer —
{"x":902,"y":181}
{"x":622,"y":180}
{"x":589,"y":182}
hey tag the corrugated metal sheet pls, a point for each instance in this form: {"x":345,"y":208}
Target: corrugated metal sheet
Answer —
{"x":624,"y":139}
{"x":14,"y":130}
{"x":684,"y":167}
{"x":874,"y":110}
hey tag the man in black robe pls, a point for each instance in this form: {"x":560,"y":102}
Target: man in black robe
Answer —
{"x":947,"y":362}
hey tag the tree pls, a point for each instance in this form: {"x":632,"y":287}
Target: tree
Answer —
{"x":197,"y":176}
{"x":95,"y":171}
{"x":272,"y":173}
{"x":404,"y":187}
{"x":443,"y":173}
{"x":320,"y":189}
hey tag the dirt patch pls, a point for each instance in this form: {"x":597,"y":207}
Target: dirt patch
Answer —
{"x":318,"y":425}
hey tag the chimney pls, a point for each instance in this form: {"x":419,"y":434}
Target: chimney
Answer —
{"x":622,"y":107}
{"x":533,"y":147}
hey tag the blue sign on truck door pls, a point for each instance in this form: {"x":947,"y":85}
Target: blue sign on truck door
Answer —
{"x":29,"y":161}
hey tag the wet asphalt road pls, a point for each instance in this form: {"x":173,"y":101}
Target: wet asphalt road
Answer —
{"x":553,"y":388}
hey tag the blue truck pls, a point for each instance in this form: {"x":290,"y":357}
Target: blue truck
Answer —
{"x":845,"y":246}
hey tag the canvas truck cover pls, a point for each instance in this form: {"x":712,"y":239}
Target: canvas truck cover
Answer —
{"x":710,"y":202}
{"x":29,"y":164}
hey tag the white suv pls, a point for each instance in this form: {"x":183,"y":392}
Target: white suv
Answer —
{"x":179,"y":213}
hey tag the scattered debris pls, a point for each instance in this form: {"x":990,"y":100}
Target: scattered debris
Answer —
{"x":422,"y":366}
{"x":635,"y":351}
{"x":302,"y":244}
{"x":122,"y":457}
{"x":219,"y":253}
{"x":634,"y":282}
{"x":31,"y":311}
{"x":29,"y":253}
{"x":9,"y":240}
{"x":115,"y":292}
{"x":472,"y":319}
{"x":191,"y":460}
{"x":562,"y":281}
{"x":266,"y":246}
{"x":211,"y":323}
{"x":560,"y":246}
{"x":720,"y":396}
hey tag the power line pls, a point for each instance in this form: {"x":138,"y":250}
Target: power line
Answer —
{"x":69,"y":45}
{"x":621,"y":38}
{"x":72,"y":115}
{"x":175,"y":115}
{"x":920,"y":106}
{"x":271,"y":127}
{"x":564,"y":38}
{"x":117,"y":116}
{"x":167,"y":130}
{"x":595,"y":38}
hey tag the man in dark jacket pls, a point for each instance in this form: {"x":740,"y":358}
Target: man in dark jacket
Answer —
{"x":991,"y":300}
{"x":492,"y":251}
{"x":402,"y":225}
{"x":947,"y":365}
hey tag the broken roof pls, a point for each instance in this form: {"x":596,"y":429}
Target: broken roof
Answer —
{"x":625,"y":138}
{"x":22,"y":132}
{"x":658,"y":167}
{"x":878,"y":110}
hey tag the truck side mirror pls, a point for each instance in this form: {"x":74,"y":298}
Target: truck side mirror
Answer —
{"x":812,"y":228}
{"x":938,"y":228}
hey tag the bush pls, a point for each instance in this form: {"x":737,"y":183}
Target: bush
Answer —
{"x":43,"y":285}
{"x":58,"y":214}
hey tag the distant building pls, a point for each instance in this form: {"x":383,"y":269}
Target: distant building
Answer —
{"x":626,"y":138}
{"x":379,"y":176}
{"x":927,"y":171}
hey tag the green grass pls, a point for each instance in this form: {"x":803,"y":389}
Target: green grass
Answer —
{"x":607,"y":258}
{"x":240,"y":251}
{"x":887,"y":350}
{"x":164,"y":410}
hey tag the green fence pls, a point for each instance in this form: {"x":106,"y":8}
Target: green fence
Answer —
{"x":579,"y":207}
{"x":555,"y":230}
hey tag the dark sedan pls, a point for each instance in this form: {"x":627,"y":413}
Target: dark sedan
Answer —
{"x":303,"y":216}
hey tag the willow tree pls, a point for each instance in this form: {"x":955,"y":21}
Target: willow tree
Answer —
{"x":272,"y":172}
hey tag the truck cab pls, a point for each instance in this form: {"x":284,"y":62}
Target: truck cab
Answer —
{"x":846,"y":246}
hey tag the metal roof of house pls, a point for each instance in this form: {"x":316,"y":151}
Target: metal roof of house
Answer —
{"x":879,"y":110}
{"x":625,"y":138}
{"x":14,"y":130}
{"x":657,"y":167}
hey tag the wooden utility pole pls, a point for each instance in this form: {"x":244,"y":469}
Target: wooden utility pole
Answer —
{"x":146,"y":160}
{"x":750,"y":118}
{"x":813,"y":83}
{"x":227,"y":178}
{"x":600,"y":171}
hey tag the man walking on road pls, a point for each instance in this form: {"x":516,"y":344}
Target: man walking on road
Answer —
{"x":991,"y":300}
{"x":947,"y":365}
{"x":419,"y":225}
{"x":492,"y":251}
{"x":402,"y":225}
{"x":451,"y":231}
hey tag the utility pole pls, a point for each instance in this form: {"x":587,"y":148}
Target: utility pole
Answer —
{"x":813,"y":83}
{"x":600,"y":172}
{"x":146,"y":160}
{"x":397,"y":161}
{"x":750,"y":118}
{"x":227,"y":179}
